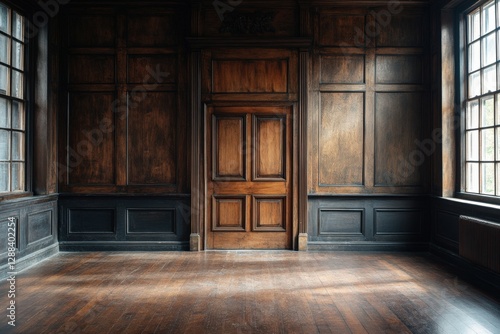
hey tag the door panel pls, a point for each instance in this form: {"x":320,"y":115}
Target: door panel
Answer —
{"x":249,"y":189}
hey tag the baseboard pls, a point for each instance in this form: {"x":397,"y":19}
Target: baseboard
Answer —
{"x":481,"y":277}
{"x":369,"y":246}
{"x":122,"y":246}
{"x":30,"y":260}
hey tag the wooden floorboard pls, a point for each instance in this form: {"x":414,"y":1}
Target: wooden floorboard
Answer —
{"x":247,"y":292}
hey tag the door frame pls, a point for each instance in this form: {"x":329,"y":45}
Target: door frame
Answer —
{"x":199,"y":201}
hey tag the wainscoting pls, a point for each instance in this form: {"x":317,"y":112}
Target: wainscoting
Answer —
{"x":124,"y":223}
{"x":368,"y":223}
{"x":36,"y":227}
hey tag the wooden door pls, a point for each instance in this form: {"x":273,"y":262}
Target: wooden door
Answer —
{"x":249,"y":178}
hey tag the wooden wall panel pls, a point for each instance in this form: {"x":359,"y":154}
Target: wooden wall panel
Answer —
{"x":40,"y":226}
{"x":151,"y":221}
{"x":152,"y":140}
{"x":342,"y":69}
{"x":406,"y":69}
{"x":125,"y":78}
{"x":398,"y":125}
{"x":341,"y":139}
{"x":92,"y":69}
{"x":269,"y":148}
{"x":229,"y":147}
{"x":341,"y":30}
{"x":368,"y":99}
{"x":152,"y":30}
{"x":114,"y":222}
{"x":91,"y":30}
{"x":140,"y":67}
{"x":399,"y":222}
{"x":333,"y":222}
{"x":92,"y":220}
{"x":245,"y":76}
{"x":91,"y":143}
{"x":402,"y":31}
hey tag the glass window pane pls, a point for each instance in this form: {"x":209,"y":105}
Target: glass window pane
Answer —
{"x":17,"y":55}
{"x":489,"y":22}
{"x":487,"y":112}
{"x":4,"y":145}
{"x":4,"y":113}
{"x":475,"y":56}
{"x":498,"y":178}
{"x":18,"y":115}
{"x":18,"y":26}
{"x":498,"y":110}
{"x":472,"y":146}
{"x":489,"y":50}
{"x":4,"y":177}
{"x":4,"y":18}
{"x":472,"y":180}
{"x":474,"y":26}
{"x":473,"y":115}
{"x":488,"y":179}
{"x":488,"y":145}
{"x":498,"y":145}
{"x":4,"y":80}
{"x":475,"y":84}
{"x":17,"y":84}
{"x":4,"y":49}
{"x":18,"y":148}
{"x":18,"y":177}
{"x":489,"y":79}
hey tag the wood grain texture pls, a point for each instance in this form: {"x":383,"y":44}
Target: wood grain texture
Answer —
{"x":249,"y":211}
{"x":341,"y":139}
{"x":248,"y":292}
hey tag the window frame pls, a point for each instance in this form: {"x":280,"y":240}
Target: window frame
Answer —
{"x":462,"y":89}
{"x":28,"y":84}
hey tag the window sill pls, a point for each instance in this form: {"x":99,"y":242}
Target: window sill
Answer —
{"x":477,"y":200}
{"x":14,"y":196}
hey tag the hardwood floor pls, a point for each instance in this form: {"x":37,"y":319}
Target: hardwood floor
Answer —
{"x":247,"y":292}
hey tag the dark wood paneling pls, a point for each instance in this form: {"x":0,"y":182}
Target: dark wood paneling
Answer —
{"x":341,"y":222}
{"x":150,"y":30}
{"x":229,"y":213}
{"x":92,"y":220}
{"x":398,"y":222}
{"x":398,"y":125}
{"x":151,"y":221}
{"x":40,"y":226}
{"x":91,"y":30}
{"x":269,"y":214}
{"x":246,"y":76}
{"x":399,"y":69}
{"x":229,"y":147}
{"x":341,"y":30}
{"x":91,"y":145}
{"x":447,"y":226}
{"x":36,"y":226}
{"x":368,"y":222}
{"x":124,"y":222}
{"x":341,"y":139}
{"x":91,"y":69}
{"x":269,"y":148}
{"x":152,"y":139}
{"x":127,"y":86}
{"x":140,"y":68}
{"x":344,"y":69}
{"x":403,"y":31}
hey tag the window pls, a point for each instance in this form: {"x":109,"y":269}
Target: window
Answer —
{"x":12,"y":102}
{"x":482,"y":101}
